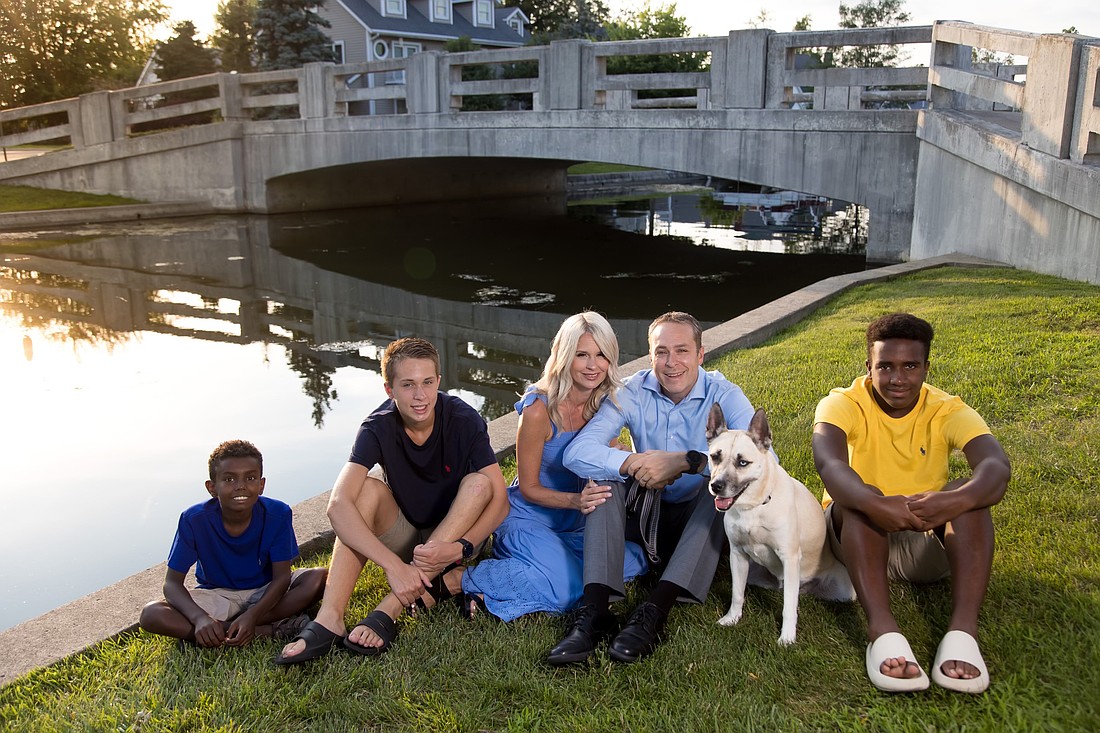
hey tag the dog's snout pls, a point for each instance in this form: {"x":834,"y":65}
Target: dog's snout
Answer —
{"x":717,"y":486}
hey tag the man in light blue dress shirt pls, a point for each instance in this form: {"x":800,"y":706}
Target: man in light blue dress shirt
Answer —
{"x":665,"y":408}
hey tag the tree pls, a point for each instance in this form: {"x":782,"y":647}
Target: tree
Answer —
{"x":54,"y":49}
{"x":650,"y":22}
{"x":233,"y":36}
{"x":556,"y":19}
{"x":183,"y":55}
{"x":871,"y":14}
{"x":288,"y":34}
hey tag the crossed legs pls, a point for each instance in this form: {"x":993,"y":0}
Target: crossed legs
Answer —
{"x":379,"y":510}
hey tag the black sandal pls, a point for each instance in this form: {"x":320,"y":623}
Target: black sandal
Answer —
{"x":319,"y":642}
{"x":471,"y":601}
{"x":438,"y":592}
{"x":380,"y":624}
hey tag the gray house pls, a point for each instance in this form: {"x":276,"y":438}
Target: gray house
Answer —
{"x":372,"y":30}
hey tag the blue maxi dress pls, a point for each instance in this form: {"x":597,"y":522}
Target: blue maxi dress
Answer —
{"x":537,"y":560}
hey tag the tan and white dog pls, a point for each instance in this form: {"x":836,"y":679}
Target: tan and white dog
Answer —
{"x":771,"y":520}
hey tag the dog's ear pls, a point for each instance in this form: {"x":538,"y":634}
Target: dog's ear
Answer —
{"x":716,"y":422}
{"x":760,"y":431}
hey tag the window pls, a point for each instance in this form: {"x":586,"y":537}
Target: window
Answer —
{"x":516,"y":23}
{"x":393,"y":8}
{"x":381,"y":50}
{"x":400,"y":50}
{"x":483,"y":14}
{"x":338,"y":51}
{"x":441,"y":11}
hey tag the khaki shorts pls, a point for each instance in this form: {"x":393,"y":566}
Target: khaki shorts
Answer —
{"x":225,"y":604}
{"x":918,"y":557}
{"x":402,"y":537}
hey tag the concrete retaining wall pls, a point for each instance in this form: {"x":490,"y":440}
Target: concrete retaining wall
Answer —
{"x":982,"y":193}
{"x":113,"y":610}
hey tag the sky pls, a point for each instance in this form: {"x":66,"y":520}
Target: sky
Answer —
{"x":717,"y":17}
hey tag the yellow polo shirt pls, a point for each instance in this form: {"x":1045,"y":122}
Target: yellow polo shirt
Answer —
{"x":904,"y":455}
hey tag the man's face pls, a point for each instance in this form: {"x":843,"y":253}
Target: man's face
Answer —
{"x":415,"y":390}
{"x":675,"y":359}
{"x":897,"y":368}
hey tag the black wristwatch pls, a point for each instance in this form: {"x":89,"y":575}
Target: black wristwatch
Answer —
{"x":467,"y":548}
{"x":695,"y":461}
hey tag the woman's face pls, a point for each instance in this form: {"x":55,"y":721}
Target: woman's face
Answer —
{"x":589,"y":367}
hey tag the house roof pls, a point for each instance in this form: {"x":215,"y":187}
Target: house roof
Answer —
{"x":416,"y":25}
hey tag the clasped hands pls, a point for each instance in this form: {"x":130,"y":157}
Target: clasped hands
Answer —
{"x":408,"y":581}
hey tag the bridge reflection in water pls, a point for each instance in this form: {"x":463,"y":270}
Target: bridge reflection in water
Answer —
{"x":336,"y":288}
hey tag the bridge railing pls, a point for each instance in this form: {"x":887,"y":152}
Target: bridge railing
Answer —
{"x":800,"y":74}
{"x":1052,"y":99}
{"x":1057,"y":112}
{"x":1085,"y":144}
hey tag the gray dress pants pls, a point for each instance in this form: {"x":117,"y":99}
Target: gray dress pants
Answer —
{"x":692,"y":564}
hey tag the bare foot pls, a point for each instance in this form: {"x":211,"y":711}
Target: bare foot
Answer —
{"x":295,"y":648}
{"x":900,"y":668}
{"x":959,"y":670}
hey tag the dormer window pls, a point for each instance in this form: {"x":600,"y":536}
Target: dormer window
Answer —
{"x":441,"y":11}
{"x":393,"y":8}
{"x":516,"y":24}
{"x":483,"y":13}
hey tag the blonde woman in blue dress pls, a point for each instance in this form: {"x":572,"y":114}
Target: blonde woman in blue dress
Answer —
{"x":536,"y":563}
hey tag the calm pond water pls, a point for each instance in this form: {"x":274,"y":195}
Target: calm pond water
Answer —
{"x":129,"y":351}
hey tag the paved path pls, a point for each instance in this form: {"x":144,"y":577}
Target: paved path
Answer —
{"x":114,"y":609}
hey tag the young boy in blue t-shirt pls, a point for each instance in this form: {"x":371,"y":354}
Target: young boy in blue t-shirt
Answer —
{"x":242,"y":545}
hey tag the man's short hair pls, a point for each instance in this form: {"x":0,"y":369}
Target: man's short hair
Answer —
{"x":234,"y":449}
{"x":685,"y":319}
{"x":900,"y":326}
{"x":407,"y":348}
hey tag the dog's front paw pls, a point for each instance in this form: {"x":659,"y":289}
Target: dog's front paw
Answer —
{"x":786,"y":639}
{"x":729,"y":619}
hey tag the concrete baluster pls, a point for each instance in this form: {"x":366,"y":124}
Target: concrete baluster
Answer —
{"x":1050,"y":94}
{"x":96,"y":125}
{"x":316,"y":94}
{"x":739,"y":70}
{"x":229,"y":89}
{"x":565,"y":78}
{"x":427,"y":91}
{"x":1086,"y":128}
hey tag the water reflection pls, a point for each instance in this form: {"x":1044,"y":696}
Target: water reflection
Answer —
{"x":131,"y":350}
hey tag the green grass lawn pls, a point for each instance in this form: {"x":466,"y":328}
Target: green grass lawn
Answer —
{"x":1023,"y":349}
{"x":589,"y":168}
{"x":26,"y":198}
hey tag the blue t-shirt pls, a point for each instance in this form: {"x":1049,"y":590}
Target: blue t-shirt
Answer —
{"x":223,"y":561}
{"x":424,"y":478}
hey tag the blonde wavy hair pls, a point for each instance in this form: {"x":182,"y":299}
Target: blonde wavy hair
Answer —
{"x":556,"y":380}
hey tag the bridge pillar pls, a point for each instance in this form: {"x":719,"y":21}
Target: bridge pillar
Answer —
{"x":743,"y":83}
{"x":1051,"y":94}
{"x":566,"y":62}
{"x":316,"y":93}
{"x":423,"y":92}
{"x":96,"y":126}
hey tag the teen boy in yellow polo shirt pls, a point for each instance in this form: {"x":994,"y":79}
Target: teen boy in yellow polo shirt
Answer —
{"x":882,"y":447}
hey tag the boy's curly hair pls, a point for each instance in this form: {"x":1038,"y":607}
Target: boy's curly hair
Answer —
{"x":234,"y":449}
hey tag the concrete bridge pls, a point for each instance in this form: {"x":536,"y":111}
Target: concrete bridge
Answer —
{"x":1000,"y":161}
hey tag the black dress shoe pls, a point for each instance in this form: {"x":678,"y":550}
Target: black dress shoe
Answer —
{"x":588,"y":628}
{"x":639,"y":637}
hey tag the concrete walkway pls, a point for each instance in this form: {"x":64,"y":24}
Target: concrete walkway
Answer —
{"x":114,"y":609}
